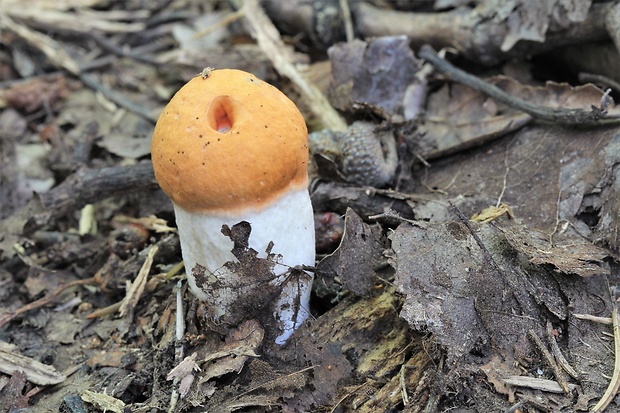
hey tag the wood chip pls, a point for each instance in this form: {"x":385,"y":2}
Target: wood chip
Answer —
{"x":549,"y":386}
{"x":36,"y":372}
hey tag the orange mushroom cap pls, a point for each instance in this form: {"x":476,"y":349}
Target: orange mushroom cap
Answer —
{"x":229,"y":142}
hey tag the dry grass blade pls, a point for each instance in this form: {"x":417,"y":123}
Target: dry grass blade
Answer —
{"x":614,"y":384}
{"x":137,"y":287}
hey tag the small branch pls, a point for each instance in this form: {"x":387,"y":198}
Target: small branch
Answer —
{"x":118,"y":98}
{"x":11,"y":361}
{"x":269,"y":40}
{"x":102,"y":312}
{"x":559,"y":375}
{"x":602,"y":320}
{"x":84,"y":186}
{"x":595,"y":117}
{"x":45,"y":300}
{"x":225,"y":21}
{"x":50,"y":48}
{"x":137,"y":287}
{"x":557,"y":353}
{"x":87,"y":186}
{"x":179,"y":348}
{"x":117,"y":50}
{"x":600,"y":79}
{"x":55,"y":52}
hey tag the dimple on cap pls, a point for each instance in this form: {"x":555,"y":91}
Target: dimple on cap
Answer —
{"x":229,"y":142}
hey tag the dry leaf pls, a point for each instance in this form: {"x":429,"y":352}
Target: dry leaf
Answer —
{"x":241,"y":344}
{"x":357,"y":257}
{"x":569,"y":256}
{"x":373,"y":75}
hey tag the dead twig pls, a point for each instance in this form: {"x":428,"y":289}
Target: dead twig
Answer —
{"x":225,"y":21}
{"x":602,"y":320}
{"x":271,"y":382}
{"x":85,"y":186}
{"x":79,"y":21}
{"x":600,"y":79}
{"x":179,"y":349}
{"x":135,"y":290}
{"x":478,"y":34}
{"x":348,"y":21}
{"x":557,"y":353}
{"x":103,"y":401}
{"x":594,"y":117}
{"x":49,"y":47}
{"x":49,"y":298}
{"x":133,"y":53}
{"x":102,"y":312}
{"x":350,"y":393}
{"x":515,"y":407}
{"x":118,"y":98}
{"x":557,"y":372}
{"x":56,"y":53}
{"x":269,"y":40}
{"x":35,"y":371}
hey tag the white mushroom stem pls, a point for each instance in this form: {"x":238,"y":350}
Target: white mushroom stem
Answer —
{"x":287,"y":224}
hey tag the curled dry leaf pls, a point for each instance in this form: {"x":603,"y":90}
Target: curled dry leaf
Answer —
{"x":458,"y":117}
{"x":493,"y":212}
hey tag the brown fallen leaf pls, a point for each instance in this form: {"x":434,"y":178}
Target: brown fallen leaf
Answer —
{"x":241,"y":344}
{"x":355,"y":260}
{"x":574,"y":255}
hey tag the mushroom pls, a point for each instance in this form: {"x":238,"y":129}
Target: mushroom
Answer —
{"x":230,"y":150}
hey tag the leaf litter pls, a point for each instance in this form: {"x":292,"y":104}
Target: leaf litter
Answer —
{"x":448,"y":324}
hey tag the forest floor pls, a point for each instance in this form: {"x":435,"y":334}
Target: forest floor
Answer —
{"x":475,"y":269}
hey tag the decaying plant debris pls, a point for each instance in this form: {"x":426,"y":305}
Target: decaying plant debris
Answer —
{"x":481,"y":275}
